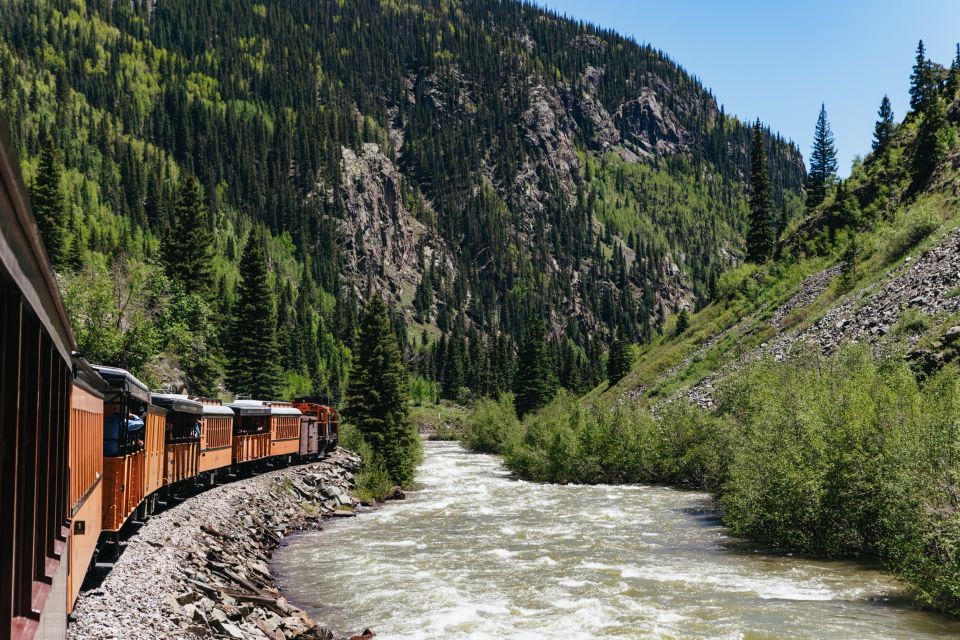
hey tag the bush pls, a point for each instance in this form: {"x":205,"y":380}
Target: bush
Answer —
{"x":909,"y":234}
{"x":372,"y":482}
{"x":913,"y":321}
{"x":489,"y":423}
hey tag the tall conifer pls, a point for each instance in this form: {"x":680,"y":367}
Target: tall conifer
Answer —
{"x":252,"y":357}
{"x":48,"y":205}
{"x":923,"y":86}
{"x":620,"y":359}
{"x":823,"y":162}
{"x":188,"y":248}
{"x":883,"y":130}
{"x":760,"y":236}
{"x":378,"y":396}
{"x":535,"y":382}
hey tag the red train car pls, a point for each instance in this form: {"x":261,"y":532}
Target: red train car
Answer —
{"x":36,"y":383}
{"x":251,"y":431}
{"x":216,"y":436}
{"x":86,"y":473}
{"x":327,"y":418}
{"x":184,"y":426}
{"x":284,"y":428}
{"x":133,"y":433}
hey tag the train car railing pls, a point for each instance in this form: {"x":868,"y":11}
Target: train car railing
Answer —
{"x":35,"y":387}
{"x":86,"y":473}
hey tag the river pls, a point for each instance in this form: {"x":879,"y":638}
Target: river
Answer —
{"x":474,"y":554}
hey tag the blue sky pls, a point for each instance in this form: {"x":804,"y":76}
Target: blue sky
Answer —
{"x":780,"y":59}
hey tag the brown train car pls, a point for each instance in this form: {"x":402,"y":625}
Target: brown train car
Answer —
{"x":35,"y":386}
{"x":284,"y":428}
{"x":86,"y":473}
{"x":216,"y":436}
{"x":154,"y":449}
{"x":130,"y":423}
{"x":183,"y":429}
{"x":251,"y":431}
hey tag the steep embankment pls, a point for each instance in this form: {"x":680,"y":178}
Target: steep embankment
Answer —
{"x":201,"y":568}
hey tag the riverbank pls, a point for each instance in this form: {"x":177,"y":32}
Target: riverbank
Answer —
{"x":201,"y":568}
{"x":475,"y":554}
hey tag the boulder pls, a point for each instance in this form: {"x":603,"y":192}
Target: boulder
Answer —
{"x":952,"y":334}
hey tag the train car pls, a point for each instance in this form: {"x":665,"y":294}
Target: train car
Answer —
{"x":327,"y":418}
{"x":184,"y":426}
{"x":309,"y":436}
{"x":129,"y":434}
{"x":284,"y":428}
{"x":251,"y":431}
{"x":36,"y":377}
{"x":86,"y":473}
{"x":216,"y":436}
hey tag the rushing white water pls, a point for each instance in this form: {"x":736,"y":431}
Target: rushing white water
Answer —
{"x":475,"y":554}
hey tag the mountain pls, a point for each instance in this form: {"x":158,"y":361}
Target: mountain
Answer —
{"x":477,"y":163}
{"x":815,"y":395}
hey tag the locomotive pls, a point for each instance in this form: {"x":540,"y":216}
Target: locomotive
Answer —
{"x":86,"y":449}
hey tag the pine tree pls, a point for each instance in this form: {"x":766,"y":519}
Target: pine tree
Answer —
{"x":620,"y":359}
{"x":883,"y":130}
{"x":188,"y":247}
{"x":378,"y":396}
{"x":253,"y":358}
{"x":953,"y":78}
{"x":931,"y":144}
{"x":683,"y":322}
{"x":823,"y":162}
{"x":535,"y":381}
{"x":760,"y":237}
{"x":923,"y":86}
{"x":49,"y":207}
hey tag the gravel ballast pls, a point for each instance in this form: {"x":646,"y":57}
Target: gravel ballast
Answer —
{"x":201,"y":568}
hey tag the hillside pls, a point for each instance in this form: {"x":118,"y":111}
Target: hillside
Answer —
{"x":816,"y":395}
{"x":477,"y":163}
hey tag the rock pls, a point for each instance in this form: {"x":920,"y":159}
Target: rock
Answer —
{"x":231,"y":631}
{"x":396,"y":493}
{"x":952,"y":334}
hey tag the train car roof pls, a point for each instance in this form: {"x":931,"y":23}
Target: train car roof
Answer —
{"x":215,"y":409}
{"x":274,"y":409}
{"x":123,"y":380}
{"x":178,"y":403}
{"x":87,"y":377}
{"x":249,"y":408}
{"x":23,"y":258}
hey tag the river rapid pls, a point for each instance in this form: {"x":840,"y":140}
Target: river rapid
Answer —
{"x":474,"y":554}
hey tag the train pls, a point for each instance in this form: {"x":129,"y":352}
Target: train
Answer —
{"x":86,"y":450}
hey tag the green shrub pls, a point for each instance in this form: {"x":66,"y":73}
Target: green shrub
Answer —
{"x":908,"y":234}
{"x":912,"y":321}
{"x":488,"y":424}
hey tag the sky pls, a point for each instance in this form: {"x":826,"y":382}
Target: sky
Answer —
{"x":779,"y":59}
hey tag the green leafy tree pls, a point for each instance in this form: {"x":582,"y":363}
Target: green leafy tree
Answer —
{"x":760,"y":233}
{"x":378,"y":396}
{"x":883,"y":130}
{"x":535,"y":381}
{"x":620,"y":359}
{"x":48,"y":205}
{"x":188,"y":247}
{"x":823,"y":162}
{"x":253,"y":358}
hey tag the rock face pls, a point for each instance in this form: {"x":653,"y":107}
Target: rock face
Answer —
{"x":201,"y":569}
{"x":866,"y":315}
